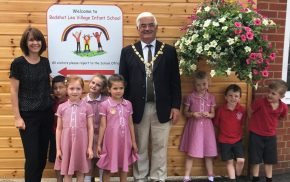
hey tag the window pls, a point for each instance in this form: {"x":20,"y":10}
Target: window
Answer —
{"x":286,"y":56}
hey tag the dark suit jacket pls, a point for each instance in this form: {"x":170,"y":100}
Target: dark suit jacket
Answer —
{"x":166,"y":80}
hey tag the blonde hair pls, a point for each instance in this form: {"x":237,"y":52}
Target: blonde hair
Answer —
{"x":74,"y":78}
{"x":104,"y":82}
{"x":279,"y":86}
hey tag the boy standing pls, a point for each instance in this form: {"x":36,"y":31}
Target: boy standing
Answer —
{"x":266,"y":112}
{"x":230,"y":119}
{"x":60,"y":96}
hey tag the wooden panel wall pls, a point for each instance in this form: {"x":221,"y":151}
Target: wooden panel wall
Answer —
{"x":16,"y":15}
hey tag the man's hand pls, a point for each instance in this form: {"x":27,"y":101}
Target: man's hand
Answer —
{"x":174,"y":115}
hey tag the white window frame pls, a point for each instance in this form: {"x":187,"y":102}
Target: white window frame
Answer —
{"x":286,"y":61}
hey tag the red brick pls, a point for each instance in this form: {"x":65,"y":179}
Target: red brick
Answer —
{"x":286,"y":138}
{"x":279,"y":45}
{"x":277,"y":74}
{"x":277,"y":6}
{"x":276,"y":37}
{"x":269,"y":14}
{"x":281,"y":144}
{"x":282,"y":1}
{"x":282,"y":15}
{"x":263,"y":6}
{"x":285,"y":151}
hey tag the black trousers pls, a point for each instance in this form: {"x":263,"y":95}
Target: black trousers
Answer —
{"x":35,"y":142}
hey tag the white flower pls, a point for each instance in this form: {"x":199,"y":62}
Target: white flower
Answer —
{"x":247,"y":49}
{"x":198,"y":11}
{"x":236,"y":38}
{"x":256,"y":86}
{"x":209,"y":53}
{"x":212,"y":73}
{"x":214,"y":55}
{"x":218,"y":48}
{"x":206,"y":47}
{"x":206,"y":23}
{"x":265,"y":22}
{"x":207,"y":9}
{"x":216,"y":24}
{"x":199,"y":50}
{"x":180,"y":71}
{"x":213,"y":43}
{"x":193,"y":37}
{"x":193,"y":67}
{"x":224,"y":28}
{"x":206,"y":36}
{"x":250,"y":75}
{"x":272,"y":22}
{"x":231,"y":41}
{"x":177,"y":43}
{"x":228,"y":71}
{"x":222,"y":20}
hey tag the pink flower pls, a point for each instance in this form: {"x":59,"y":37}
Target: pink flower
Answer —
{"x":259,"y":55}
{"x":257,"y":21}
{"x":265,"y":73}
{"x":269,"y":45}
{"x":272,"y":56}
{"x":238,"y":24}
{"x":260,"y":61}
{"x":248,"y":61}
{"x":255,"y":72}
{"x":260,"y":49}
{"x":250,"y":35}
{"x":239,"y":31}
{"x":248,"y":29}
{"x":253,"y":56}
{"x":243,"y":38}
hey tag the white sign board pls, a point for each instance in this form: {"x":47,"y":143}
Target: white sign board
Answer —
{"x":84,"y":39}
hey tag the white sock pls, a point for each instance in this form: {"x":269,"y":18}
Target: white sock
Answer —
{"x":211,"y":178}
{"x":87,"y":179}
{"x":186,"y":178}
{"x":101,"y":174}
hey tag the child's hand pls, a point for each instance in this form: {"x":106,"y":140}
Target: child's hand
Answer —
{"x":90,"y":153}
{"x":58,"y":155}
{"x":99,"y":151}
{"x":205,"y":114}
{"x":135,"y":148}
{"x":197,"y":115}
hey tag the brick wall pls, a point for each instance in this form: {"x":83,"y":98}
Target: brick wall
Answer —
{"x":276,"y":10}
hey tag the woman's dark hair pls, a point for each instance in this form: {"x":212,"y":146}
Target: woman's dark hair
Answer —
{"x":37,"y":35}
{"x":115,"y":78}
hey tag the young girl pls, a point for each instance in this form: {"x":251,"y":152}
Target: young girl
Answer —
{"x":116,"y":148}
{"x":74,"y":133}
{"x":96,"y":95}
{"x":198,"y":138}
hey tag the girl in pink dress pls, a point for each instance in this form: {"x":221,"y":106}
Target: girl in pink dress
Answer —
{"x":96,"y":95}
{"x":74,"y":133}
{"x":198,"y":138}
{"x":116,"y":147}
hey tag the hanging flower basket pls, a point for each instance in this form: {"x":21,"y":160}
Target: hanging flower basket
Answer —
{"x":229,"y":36}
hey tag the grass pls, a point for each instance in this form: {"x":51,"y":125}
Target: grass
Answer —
{"x":89,"y":54}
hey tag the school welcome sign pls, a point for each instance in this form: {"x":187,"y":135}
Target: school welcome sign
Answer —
{"x":84,"y":39}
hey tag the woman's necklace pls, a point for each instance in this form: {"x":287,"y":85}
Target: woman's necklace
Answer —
{"x":148,"y":66}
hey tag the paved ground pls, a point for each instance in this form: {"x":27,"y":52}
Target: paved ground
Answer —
{"x":276,"y":178}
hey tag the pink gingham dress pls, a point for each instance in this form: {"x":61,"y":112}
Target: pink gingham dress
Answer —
{"x":117,"y":150}
{"x":198,"y":138}
{"x":74,"y":137}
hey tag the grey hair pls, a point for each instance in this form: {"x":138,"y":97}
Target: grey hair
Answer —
{"x":145,"y":14}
